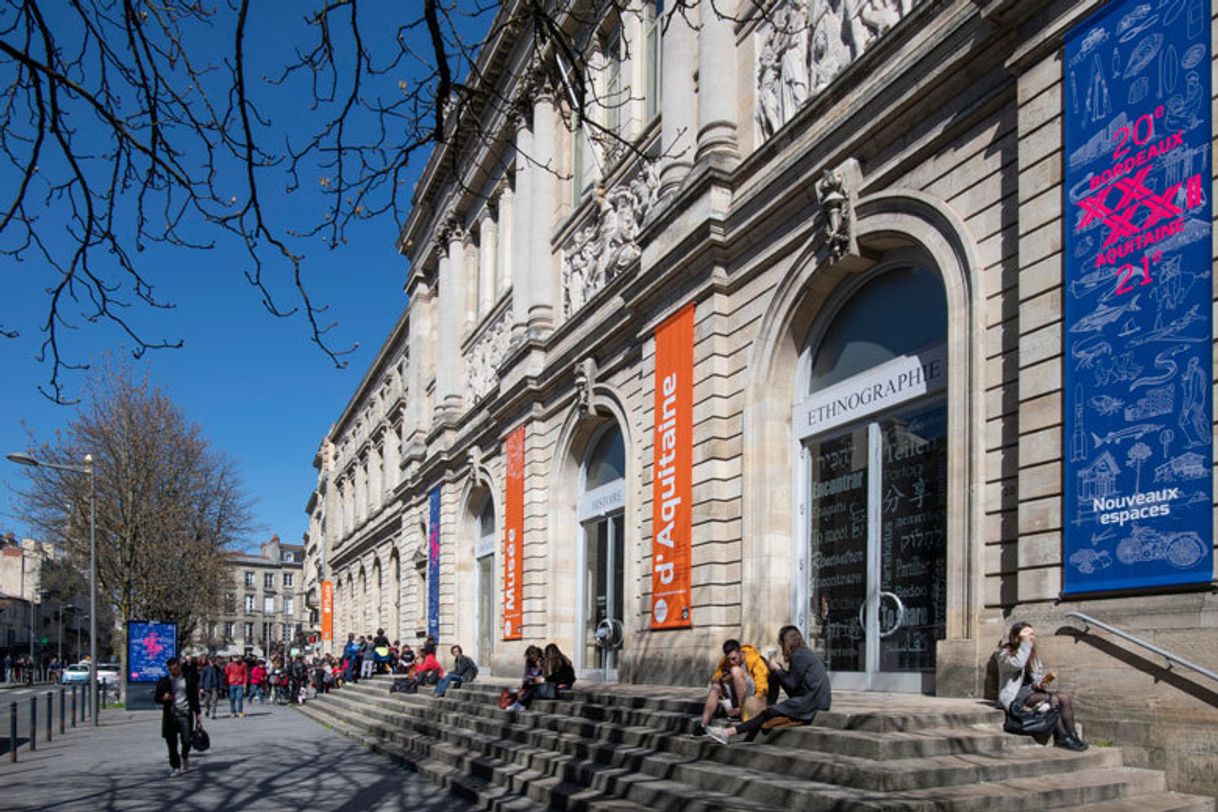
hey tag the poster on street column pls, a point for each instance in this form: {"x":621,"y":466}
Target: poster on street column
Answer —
{"x":1138,"y":299}
{"x":327,"y":610}
{"x":513,"y":537}
{"x":149,"y":644}
{"x":672,"y":472}
{"x":433,"y":564}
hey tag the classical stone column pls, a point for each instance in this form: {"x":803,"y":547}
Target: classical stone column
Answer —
{"x":679,"y":117}
{"x":447,"y":340}
{"x":418,"y":364}
{"x":488,"y":255}
{"x":521,"y":218}
{"x":542,"y":266}
{"x":717,"y":101}
{"x":504,"y":238}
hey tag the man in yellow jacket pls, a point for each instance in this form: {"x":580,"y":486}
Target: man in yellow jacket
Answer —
{"x":740,"y":685}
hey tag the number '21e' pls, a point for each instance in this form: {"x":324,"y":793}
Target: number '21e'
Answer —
{"x":1125,"y":275}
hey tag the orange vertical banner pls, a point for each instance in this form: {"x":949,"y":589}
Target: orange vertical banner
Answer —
{"x":672,"y":472}
{"x":327,"y":610}
{"x":513,"y":537}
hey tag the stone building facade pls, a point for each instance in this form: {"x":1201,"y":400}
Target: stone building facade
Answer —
{"x":862,"y":202}
{"x":264,"y":610}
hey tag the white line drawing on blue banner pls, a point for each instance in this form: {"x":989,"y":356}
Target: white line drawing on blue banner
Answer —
{"x":1174,"y":285}
{"x":1197,"y":23}
{"x":1139,"y":90}
{"x":1136,"y":457}
{"x":1106,"y":404}
{"x":1155,"y":403}
{"x":1078,"y":440}
{"x":1104,"y":315}
{"x":1116,"y":62}
{"x":1194,"y":395}
{"x":1089,"y":561}
{"x":1098,"y":480}
{"x":1094,"y":39}
{"x":1183,"y":111}
{"x":1189,"y":465}
{"x":1172,"y":331}
{"x":1135,"y":22}
{"x":1201,"y":497}
{"x":1179,"y":162}
{"x":1168,"y":71}
{"x":1119,"y":436}
{"x":1162,"y":361}
{"x":1145,"y":544}
{"x":1121,"y":370}
{"x":1074,"y":94}
{"x":1099,"y":103}
{"x":1171,"y":10}
{"x":1089,"y":350}
{"x":1192,"y":57}
{"x":1142,"y":55}
{"x":1098,"y":146}
{"x":1128,"y":328}
{"x":1165,"y":438}
{"x":1084,"y":247}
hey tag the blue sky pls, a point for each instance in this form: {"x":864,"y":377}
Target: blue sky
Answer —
{"x":261,"y":391}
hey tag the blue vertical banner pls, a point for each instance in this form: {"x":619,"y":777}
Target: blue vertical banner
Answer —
{"x":1138,"y":299}
{"x":433,"y":565}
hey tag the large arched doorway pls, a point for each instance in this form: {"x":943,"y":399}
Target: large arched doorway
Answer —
{"x":602,"y":553}
{"x":870,"y":424}
{"x":484,"y":582}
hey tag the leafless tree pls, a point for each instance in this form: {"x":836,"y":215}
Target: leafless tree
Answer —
{"x":130,"y":123}
{"x":169,"y":507}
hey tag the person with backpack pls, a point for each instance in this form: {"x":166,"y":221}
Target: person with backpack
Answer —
{"x":178,"y":694}
{"x":1024,"y":694}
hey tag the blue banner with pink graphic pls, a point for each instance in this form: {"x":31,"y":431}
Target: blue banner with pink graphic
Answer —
{"x":433,"y":565}
{"x":1138,"y":298}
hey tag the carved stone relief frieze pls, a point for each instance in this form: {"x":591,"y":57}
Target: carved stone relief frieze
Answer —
{"x":486,"y":355}
{"x":802,"y":45}
{"x":607,"y":243}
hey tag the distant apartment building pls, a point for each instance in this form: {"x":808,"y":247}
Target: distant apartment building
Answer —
{"x":28,"y":612}
{"x":263,"y":610}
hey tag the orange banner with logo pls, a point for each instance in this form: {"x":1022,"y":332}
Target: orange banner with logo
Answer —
{"x":672,"y":472}
{"x":327,"y":610}
{"x":513,"y":537}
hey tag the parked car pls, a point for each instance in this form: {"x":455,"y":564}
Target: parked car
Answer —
{"x":78,"y":674}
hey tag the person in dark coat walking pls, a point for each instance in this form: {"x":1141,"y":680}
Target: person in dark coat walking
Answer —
{"x":178,"y":693}
{"x":805,"y":681}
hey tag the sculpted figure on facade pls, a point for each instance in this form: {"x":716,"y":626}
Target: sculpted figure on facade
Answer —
{"x":486,"y":355}
{"x":834,"y":193}
{"x":608,"y":244}
{"x":805,"y":45}
{"x":782,"y":67}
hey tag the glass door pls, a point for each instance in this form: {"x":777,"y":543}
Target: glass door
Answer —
{"x":604,"y":547}
{"x":878,"y":549}
{"x":486,"y":611}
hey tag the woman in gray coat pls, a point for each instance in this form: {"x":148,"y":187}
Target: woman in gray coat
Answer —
{"x":1023,"y":685}
{"x":805,"y":681}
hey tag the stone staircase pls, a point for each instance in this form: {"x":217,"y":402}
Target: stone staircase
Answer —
{"x":615,"y":748}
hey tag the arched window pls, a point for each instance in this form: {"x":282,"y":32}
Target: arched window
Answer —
{"x":897,"y":313}
{"x":607,"y":462}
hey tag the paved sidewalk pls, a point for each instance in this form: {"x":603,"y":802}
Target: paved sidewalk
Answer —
{"x":273,"y":759}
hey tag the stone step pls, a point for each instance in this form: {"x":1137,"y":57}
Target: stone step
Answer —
{"x":579,"y":754}
{"x":646,"y":777}
{"x":546,"y":730}
{"x":938,"y":738}
{"x":851,"y":710}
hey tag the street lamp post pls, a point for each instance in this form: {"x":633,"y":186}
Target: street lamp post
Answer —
{"x":87,"y":468}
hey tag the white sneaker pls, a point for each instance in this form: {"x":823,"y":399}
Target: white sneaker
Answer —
{"x":718,"y":735}
{"x":174,"y":772}
{"x":516,"y":706}
{"x":185,"y":763}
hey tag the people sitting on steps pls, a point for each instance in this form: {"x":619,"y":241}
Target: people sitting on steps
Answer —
{"x":740,"y":686}
{"x":804,"y":679}
{"x":533,"y":676}
{"x":1023,"y":691}
{"x":557,"y":673}
{"x":428,"y":671}
{"x":464,"y":670}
